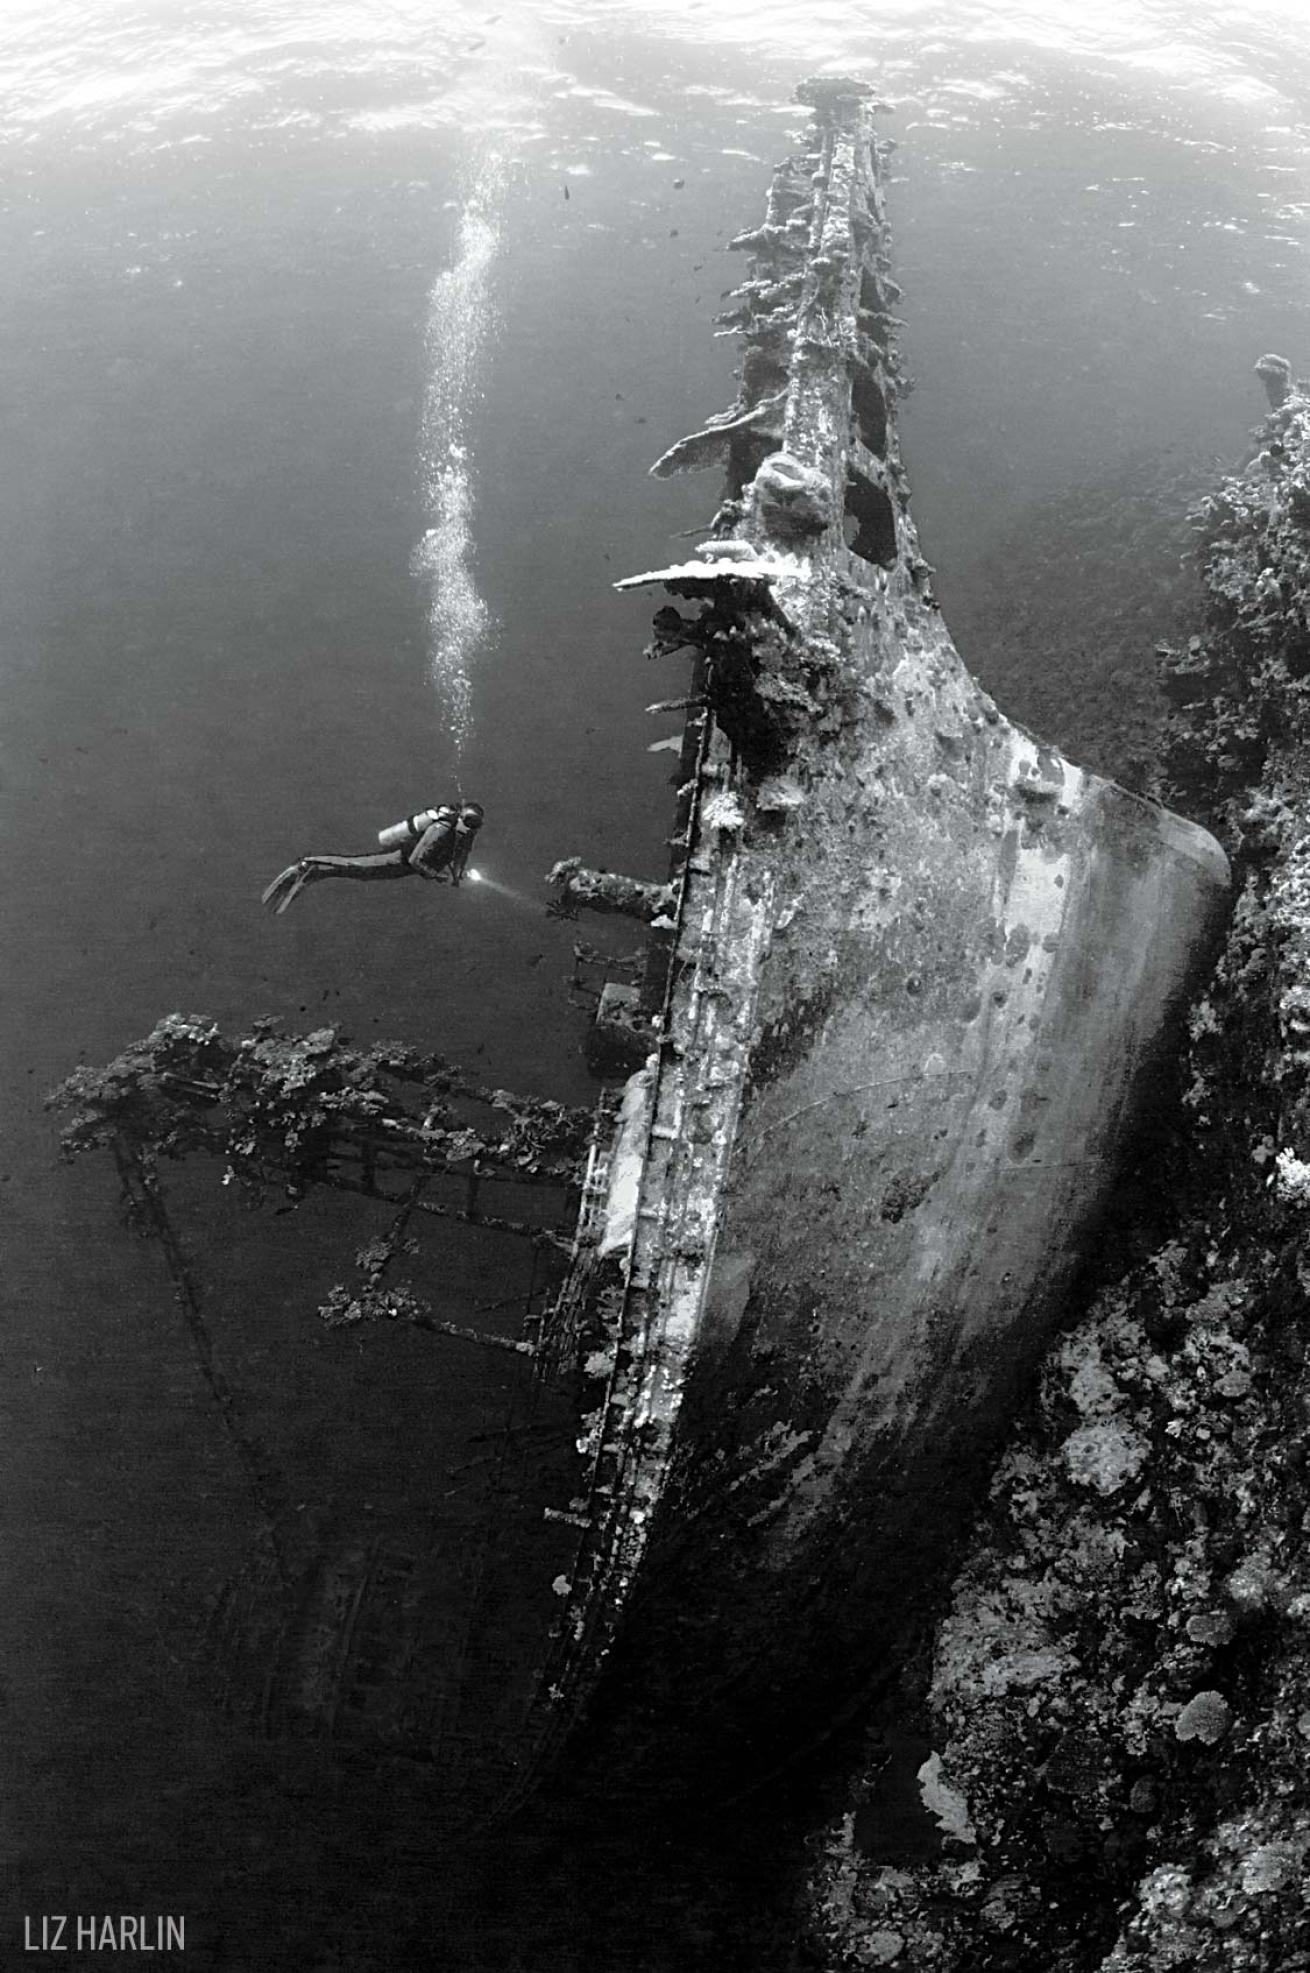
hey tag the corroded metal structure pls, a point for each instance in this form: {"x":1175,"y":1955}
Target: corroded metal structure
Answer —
{"x":904,"y":995}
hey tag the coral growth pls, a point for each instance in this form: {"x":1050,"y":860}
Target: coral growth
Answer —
{"x":580,"y":888}
{"x":285,"y":1109}
{"x":1239,"y":689}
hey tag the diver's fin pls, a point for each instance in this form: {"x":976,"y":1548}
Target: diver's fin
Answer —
{"x":284,"y":888}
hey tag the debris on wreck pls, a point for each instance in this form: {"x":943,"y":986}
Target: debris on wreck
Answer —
{"x":283,"y":1113}
{"x":604,"y":890}
{"x":291,"y":1109}
{"x":1119,"y":1689}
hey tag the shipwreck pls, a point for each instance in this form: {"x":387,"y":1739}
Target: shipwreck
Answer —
{"x":903,"y":992}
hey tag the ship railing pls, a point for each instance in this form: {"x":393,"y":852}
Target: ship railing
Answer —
{"x":669,"y":1254}
{"x":564,"y":1320}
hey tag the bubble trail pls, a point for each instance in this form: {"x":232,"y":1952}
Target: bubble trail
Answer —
{"x":461,"y":320}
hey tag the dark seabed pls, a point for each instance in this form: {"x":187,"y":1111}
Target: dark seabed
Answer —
{"x":225,"y":413}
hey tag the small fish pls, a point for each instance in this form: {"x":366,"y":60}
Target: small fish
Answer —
{"x":566,"y":191}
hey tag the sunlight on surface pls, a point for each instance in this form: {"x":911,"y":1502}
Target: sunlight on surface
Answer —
{"x":141,"y":70}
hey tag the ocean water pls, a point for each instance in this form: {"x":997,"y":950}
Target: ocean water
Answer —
{"x":335,"y":342}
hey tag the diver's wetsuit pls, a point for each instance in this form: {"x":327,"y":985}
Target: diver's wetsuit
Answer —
{"x":442,"y":847}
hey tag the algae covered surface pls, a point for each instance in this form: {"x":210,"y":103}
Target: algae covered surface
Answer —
{"x":1115,"y":1702}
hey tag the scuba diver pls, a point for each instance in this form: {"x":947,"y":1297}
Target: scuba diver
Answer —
{"x":435,"y":843}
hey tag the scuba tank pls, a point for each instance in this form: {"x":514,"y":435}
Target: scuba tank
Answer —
{"x":411,"y":828}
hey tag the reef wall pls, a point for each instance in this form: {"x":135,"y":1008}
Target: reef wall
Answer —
{"x":1100,"y":1761}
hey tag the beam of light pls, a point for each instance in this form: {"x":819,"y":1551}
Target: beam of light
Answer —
{"x":486,"y":883}
{"x":461,"y":320}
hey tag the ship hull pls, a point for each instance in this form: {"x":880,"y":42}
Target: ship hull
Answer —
{"x":921,"y":974}
{"x":960,"y":1023}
